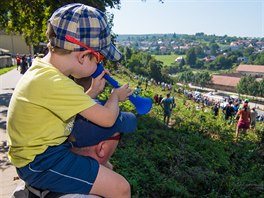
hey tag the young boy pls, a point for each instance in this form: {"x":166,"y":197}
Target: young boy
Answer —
{"x":45,"y":102}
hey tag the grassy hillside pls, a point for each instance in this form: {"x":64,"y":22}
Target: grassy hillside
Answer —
{"x":198,"y":157}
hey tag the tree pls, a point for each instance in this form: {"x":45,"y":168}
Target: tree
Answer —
{"x":199,"y":52}
{"x":202,"y":78}
{"x":191,"y":57}
{"x":221,"y":62}
{"x":155,"y":69}
{"x":182,"y":63}
{"x":29,"y":17}
{"x":128,"y":53}
{"x":186,"y":77}
{"x":248,"y":51}
{"x":259,"y":59}
{"x":214,"y":48}
{"x":261,"y":87}
{"x":247,"y":85}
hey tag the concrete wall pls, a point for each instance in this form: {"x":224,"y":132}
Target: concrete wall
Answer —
{"x":14,"y":43}
{"x":5,"y":61}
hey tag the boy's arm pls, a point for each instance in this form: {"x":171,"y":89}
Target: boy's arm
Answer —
{"x":106,"y":115}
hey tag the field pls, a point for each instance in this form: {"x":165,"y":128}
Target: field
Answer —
{"x":166,"y":59}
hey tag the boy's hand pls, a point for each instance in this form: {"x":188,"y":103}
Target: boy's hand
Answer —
{"x":97,"y":86}
{"x":123,"y":92}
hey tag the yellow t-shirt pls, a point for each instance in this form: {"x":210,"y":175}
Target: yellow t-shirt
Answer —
{"x":43,"y":103}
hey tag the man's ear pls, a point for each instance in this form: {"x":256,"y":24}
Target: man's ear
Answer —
{"x":100,"y":149}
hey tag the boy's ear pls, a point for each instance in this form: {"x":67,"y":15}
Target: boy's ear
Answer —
{"x":81,"y":56}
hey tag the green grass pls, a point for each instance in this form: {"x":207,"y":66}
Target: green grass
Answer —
{"x":166,"y":59}
{"x":6,"y":69}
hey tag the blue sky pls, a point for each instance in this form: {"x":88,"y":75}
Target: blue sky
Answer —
{"x":219,"y":17}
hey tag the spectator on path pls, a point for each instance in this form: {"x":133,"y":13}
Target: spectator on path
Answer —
{"x":146,"y":84}
{"x":160,"y":99}
{"x":228,"y":111}
{"x":24,"y":65}
{"x":216,"y":109}
{"x":236,"y":107}
{"x":167,"y":105}
{"x":137,"y":90}
{"x":18,"y":61}
{"x":253,"y":116}
{"x":244,"y":119}
{"x":156,"y":99}
{"x":41,"y":154}
{"x":246,"y":101}
{"x":29,"y":61}
{"x":173,"y":102}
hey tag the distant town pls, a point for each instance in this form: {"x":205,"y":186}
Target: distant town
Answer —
{"x":227,"y":59}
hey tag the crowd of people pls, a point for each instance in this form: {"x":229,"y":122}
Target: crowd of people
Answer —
{"x":232,"y":110}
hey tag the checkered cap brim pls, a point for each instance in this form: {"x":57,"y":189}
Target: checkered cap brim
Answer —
{"x":86,"y":24}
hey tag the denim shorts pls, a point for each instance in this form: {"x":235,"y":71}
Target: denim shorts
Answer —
{"x":60,"y":170}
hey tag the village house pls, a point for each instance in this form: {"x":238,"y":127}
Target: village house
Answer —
{"x":225,"y":82}
{"x":256,"y":71}
{"x":179,"y":59}
{"x":228,"y":82}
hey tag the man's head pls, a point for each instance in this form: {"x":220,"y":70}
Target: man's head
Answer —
{"x":85,"y":24}
{"x":90,"y":139}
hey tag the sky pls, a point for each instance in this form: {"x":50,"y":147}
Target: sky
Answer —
{"x":241,"y":18}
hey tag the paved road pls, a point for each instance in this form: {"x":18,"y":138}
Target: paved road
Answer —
{"x":8,"y":82}
{"x":259,"y":107}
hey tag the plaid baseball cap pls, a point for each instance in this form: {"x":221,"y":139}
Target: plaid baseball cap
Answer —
{"x":87,"y":133}
{"x":87,"y":25}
